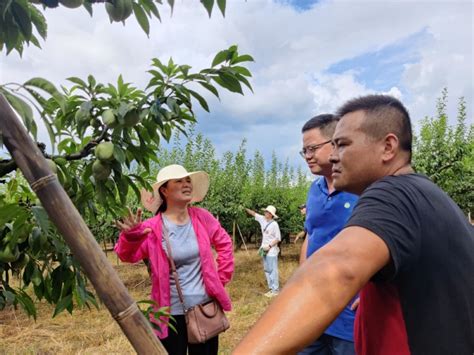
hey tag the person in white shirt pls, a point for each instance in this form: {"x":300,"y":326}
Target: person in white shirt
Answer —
{"x":269,"y":249}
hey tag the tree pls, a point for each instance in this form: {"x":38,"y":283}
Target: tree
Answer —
{"x":98,"y":133}
{"x":446,"y":153}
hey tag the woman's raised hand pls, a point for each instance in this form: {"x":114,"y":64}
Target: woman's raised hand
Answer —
{"x":130,"y":221}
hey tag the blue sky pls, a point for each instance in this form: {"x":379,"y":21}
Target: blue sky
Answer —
{"x":383,"y":68}
{"x":300,"y":5}
{"x":310,"y":57}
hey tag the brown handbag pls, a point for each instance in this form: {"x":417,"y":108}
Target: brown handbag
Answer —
{"x":203,"y":321}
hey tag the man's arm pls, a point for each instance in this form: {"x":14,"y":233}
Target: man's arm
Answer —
{"x":304,"y":249}
{"x":250,"y":212}
{"x":321,"y":287}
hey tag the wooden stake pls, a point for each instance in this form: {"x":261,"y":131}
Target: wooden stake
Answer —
{"x":233,"y":233}
{"x":70,"y":224}
{"x":243,"y":241}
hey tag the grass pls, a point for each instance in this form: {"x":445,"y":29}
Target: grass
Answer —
{"x":95,"y":332}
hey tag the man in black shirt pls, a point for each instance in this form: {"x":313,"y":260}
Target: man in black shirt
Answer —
{"x":407,"y":247}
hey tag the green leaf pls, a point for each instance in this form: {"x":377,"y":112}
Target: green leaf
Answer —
{"x":208,"y":4}
{"x":244,"y":80}
{"x":35,"y":41}
{"x":9,"y":296}
{"x":157,"y":75}
{"x":141,"y":18}
{"x":171,"y":3}
{"x":150,"y":5}
{"x":43,"y":84}
{"x":119,"y":154}
{"x":229,"y":82}
{"x":27,"y":303}
{"x":25,"y":112}
{"x":157,"y":63}
{"x":22,"y":18}
{"x":48,"y":87}
{"x":88,"y":6}
{"x":243,"y":58}
{"x":220,"y":57}
{"x":242,"y":70}
{"x":41,"y":217}
{"x":221,"y":4}
{"x":77,"y":81}
{"x":201,"y":99}
{"x":210,"y":87}
{"x":39,"y":21}
{"x":92,"y":82}
{"x":134,"y":187}
{"x":6,"y":6}
{"x":12,"y":36}
{"x":63,"y":304}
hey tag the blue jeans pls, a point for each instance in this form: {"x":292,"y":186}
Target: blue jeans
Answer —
{"x":329,"y":345}
{"x":270,"y":266}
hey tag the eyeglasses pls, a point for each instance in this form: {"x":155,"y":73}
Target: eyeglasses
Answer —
{"x":310,"y":150}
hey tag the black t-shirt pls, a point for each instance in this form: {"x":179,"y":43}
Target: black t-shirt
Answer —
{"x":423,"y":301}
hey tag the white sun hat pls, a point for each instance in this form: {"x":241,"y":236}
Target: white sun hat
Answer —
{"x":272,"y":210}
{"x":200,"y":180}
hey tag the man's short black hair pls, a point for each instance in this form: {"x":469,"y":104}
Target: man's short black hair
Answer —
{"x":302,"y":206}
{"x":326,"y":123}
{"x":384,"y":114}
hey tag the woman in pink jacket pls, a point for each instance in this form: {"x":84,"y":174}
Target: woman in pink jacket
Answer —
{"x":192,"y":232}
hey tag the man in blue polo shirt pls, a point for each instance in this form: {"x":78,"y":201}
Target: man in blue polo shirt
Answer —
{"x":327,"y":211}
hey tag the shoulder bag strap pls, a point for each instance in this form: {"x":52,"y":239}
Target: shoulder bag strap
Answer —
{"x":172,"y":264}
{"x":268,"y":225}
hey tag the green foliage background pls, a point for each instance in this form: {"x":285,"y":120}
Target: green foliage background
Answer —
{"x":238,"y":180}
{"x":445,"y":153}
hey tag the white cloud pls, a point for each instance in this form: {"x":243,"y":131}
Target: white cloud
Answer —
{"x":292,"y":50}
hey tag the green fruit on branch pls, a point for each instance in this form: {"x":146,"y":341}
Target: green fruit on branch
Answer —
{"x":105,"y":151}
{"x":82,"y":116}
{"x":36,"y":277}
{"x":119,"y":10}
{"x":60,"y":161}
{"x":100,"y":170}
{"x":23,"y":238}
{"x":72,"y":4}
{"x":8,"y":255}
{"x":52,"y":166}
{"x":131,"y":118}
{"x":109,"y":119}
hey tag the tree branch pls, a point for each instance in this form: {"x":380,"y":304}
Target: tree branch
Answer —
{"x":9,"y":165}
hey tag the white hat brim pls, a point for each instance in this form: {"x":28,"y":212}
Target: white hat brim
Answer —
{"x":274,"y":215}
{"x":151,"y":200}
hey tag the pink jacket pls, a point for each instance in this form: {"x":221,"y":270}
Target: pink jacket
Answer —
{"x":131,"y":247}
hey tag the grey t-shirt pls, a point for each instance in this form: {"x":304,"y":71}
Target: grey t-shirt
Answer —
{"x":185,"y":252}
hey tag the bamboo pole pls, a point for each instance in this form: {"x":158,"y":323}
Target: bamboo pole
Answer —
{"x":243,"y":241}
{"x":77,"y":235}
{"x":233,"y":234}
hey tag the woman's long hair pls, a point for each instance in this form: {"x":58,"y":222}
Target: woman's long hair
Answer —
{"x":163,"y":205}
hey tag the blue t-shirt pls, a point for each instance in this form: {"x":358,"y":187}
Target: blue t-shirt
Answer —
{"x":326,"y":215}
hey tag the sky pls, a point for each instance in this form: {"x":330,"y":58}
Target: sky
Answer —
{"x":310,"y":57}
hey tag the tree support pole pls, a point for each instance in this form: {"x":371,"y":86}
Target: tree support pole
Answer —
{"x":77,"y":235}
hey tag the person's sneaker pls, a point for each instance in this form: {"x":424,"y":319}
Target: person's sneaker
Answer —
{"x":270,"y":294}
